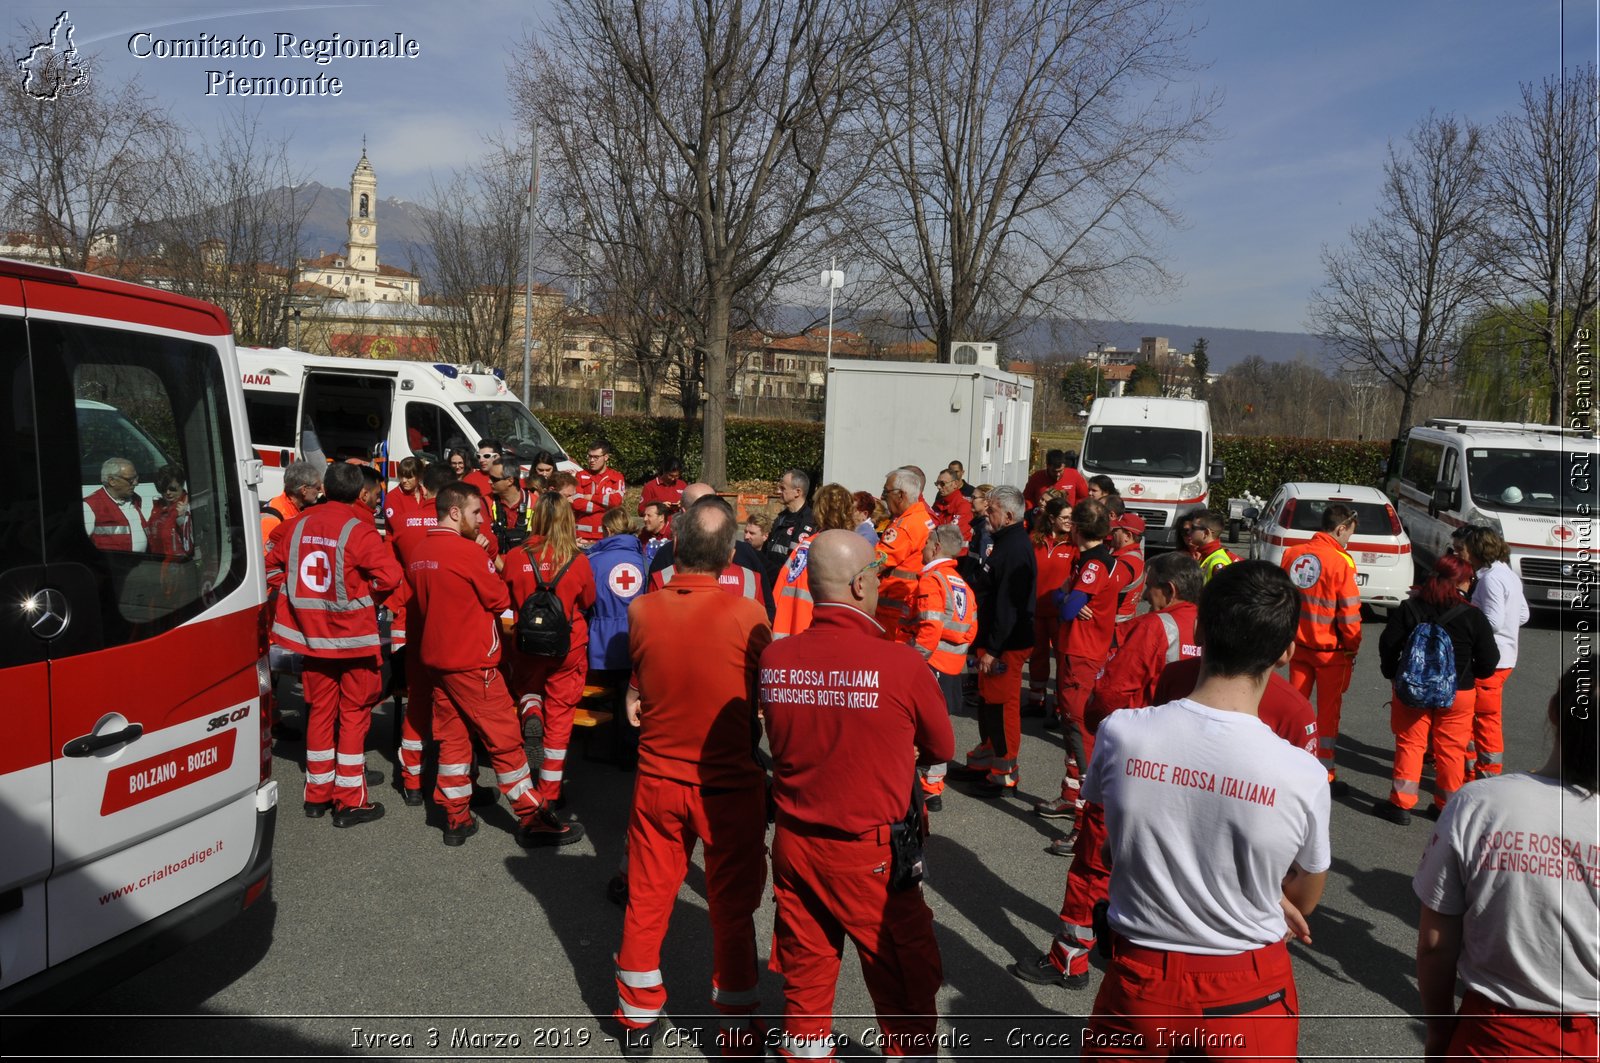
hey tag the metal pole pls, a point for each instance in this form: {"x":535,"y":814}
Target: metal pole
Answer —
{"x":527,"y":290}
{"x":827,"y":361}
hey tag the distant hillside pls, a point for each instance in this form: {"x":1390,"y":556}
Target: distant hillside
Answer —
{"x":402,"y":238}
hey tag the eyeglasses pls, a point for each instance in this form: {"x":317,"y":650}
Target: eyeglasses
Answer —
{"x":501,"y":479}
{"x":875,"y":563}
{"x":596,"y":454}
{"x":487,"y":454}
{"x":128,"y":479}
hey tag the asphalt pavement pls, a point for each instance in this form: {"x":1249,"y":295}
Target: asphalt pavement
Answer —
{"x":378,"y":941}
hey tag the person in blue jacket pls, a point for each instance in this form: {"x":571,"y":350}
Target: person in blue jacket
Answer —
{"x":620,"y":574}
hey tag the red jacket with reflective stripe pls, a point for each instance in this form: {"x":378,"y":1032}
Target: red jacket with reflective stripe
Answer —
{"x":597,"y":492}
{"x":575,"y":590}
{"x":1128,"y":598}
{"x":111,"y":529}
{"x":954,"y":508}
{"x":1130,"y":677}
{"x":944,"y":617}
{"x":1055,"y":560}
{"x":333,"y":569}
{"x":1330,"y":602}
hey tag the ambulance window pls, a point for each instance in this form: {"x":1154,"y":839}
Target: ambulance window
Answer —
{"x":21,"y":530}
{"x":271,"y":417}
{"x":1421,"y":468}
{"x":426,"y":429}
{"x":112,"y":397}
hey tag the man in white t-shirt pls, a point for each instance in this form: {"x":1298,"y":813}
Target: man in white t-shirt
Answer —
{"x":1217,"y":836}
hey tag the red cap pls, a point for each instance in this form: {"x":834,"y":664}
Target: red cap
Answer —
{"x":1130,"y":522}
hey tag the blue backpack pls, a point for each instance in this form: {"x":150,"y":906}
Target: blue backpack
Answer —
{"x":1427,"y":675}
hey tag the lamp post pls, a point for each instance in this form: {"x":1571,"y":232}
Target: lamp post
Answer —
{"x":833,"y":280}
{"x":527,"y":290}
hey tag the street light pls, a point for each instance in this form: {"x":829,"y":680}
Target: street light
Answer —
{"x":833,"y":280}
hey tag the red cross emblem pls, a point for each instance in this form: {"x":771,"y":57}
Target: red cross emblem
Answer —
{"x":1136,"y":489}
{"x":316,"y":573}
{"x":625,"y":579}
{"x":1561,"y":533}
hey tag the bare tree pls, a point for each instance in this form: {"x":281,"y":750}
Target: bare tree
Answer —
{"x":476,"y":232}
{"x":75,"y":166}
{"x":1543,"y":219}
{"x":754,"y":101}
{"x":1396,"y":295}
{"x":1025,"y":144}
{"x":225,"y":226}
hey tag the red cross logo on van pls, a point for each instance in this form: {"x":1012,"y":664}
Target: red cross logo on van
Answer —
{"x":1136,"y":490}
{"x":1561,"y":533}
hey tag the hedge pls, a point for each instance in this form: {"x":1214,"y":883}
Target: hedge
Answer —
{"x":762,"y":450}
{"x":757,"y":449}
{"x":1261,"y":464}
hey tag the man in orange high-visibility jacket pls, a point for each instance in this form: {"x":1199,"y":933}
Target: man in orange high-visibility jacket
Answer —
{"x":899,"y":557}
{"x":944,"y":621}
{"x":1329,"y":634}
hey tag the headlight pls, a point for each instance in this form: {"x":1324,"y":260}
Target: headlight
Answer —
{"x":1194,"y":489}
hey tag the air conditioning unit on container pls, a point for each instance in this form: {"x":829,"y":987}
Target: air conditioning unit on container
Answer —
{"x":968,"y":352}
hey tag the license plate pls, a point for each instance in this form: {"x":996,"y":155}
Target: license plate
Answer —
{"x":1561,"y":594}
{"x":1369,"y":559}
{"x":1361,"y":579}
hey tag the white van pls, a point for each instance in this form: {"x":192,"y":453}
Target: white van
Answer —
{"x":1159,"y":453}
{"x":1533,"y":483}
{"x":136,"y":808}
{"x":322,"y":408}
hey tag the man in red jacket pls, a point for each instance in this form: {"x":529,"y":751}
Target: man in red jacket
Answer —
{"x":692,"y":696}
{"x":478,"y":479}
{"x":950,"y":506}
{"x":665,"y":488}
{"x":847,"y":713}
{"x":333,"y":568}
{"x":457,"y":602}
{"x":1154,"y":640}
{"x":599,"y":488}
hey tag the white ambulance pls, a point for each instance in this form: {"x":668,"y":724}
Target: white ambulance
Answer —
{"x":1159,"y":452}
{"x":1533,"y":483}
{"x":323,"y":408}
{"x":136,"y":808}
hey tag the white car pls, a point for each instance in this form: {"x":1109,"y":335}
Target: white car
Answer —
{"x":1380,"y":547}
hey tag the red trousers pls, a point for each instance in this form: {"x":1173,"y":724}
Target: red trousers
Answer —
{"x":477,"y":704}
{"x":668,"y":818}
{"x":1154,"y":1004}
{"x":830,"y":889}
{"x":1488,"y":736}
{"x":551,"y":690}
{"x":340,"y":693}
{"x":1485,"y":1030}
{"x":1077,"y":676}
{"x":1046,"y":630}
{"x":1448,"y":729}
{"x":1088,"y":883}
{"x":416,"y":726}
{"x":1328,"y":672}
{"x":1000,"y":715}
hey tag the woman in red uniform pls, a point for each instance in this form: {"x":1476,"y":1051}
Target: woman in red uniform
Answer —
{"x":1054,"y":553}
{"x":1510,"y":902}
{"x":550,"y":688}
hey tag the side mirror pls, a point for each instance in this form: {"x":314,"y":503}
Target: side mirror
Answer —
{"x":1215,"y":473}
{"x":1251,"y":513}
{"x":1444,"y":497}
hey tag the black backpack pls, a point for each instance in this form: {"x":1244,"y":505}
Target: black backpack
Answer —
{"x":543,"y":629}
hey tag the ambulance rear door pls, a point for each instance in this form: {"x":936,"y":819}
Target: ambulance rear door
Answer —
{"x":345,"y":415}
{"x":154,"y":692}
{"x":26,"y":830}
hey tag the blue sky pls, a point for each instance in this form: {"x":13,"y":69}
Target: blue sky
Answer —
{"x":1314,"y":91}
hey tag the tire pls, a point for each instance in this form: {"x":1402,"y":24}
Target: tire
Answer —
{"x":1233,"y":529}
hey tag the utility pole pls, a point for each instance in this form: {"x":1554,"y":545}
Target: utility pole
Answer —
{"x":527,"y":290}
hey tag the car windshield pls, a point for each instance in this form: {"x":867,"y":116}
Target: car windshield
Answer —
{"x":510,"y":423}
{"x":1135,"y":450}
{"x":1531,"y":481}
{"x":1372,"y":518}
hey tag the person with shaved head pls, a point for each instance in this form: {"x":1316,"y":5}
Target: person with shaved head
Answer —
{"x":849,"y":716}
{"x":745,"y":575}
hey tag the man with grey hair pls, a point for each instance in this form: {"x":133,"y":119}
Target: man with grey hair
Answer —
{"x":793,"y":522}
{"x":846,"y":717}
{"x":1005,"y":640}
{"x":302,"y":486}
{"x":900,"y":550}
{"x":114,"y":516}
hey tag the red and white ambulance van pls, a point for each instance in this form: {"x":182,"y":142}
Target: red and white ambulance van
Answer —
{"x":136,"y":811}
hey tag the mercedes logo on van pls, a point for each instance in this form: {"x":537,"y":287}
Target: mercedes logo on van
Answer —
{"x":48,"y":613}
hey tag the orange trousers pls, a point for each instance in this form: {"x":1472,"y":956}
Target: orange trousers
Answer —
{"x":1328,"y":672}
{"x":1448,"y":729}
{"x":1488,"y":737}
{"x":1000,"y":715}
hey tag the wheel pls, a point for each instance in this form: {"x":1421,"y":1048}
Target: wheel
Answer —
{"x":1233,"y":529}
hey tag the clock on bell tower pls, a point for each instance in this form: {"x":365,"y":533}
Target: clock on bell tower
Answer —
{"x":363,"y":247}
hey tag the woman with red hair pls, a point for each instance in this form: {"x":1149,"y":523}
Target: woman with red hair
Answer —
{"x":1441,"y":600}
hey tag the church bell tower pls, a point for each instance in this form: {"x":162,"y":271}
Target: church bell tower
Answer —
{"x":363,"y":249}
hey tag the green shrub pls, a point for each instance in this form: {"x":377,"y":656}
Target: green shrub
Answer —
{"x":1261,"y":464}
{"x":757,"y":449}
